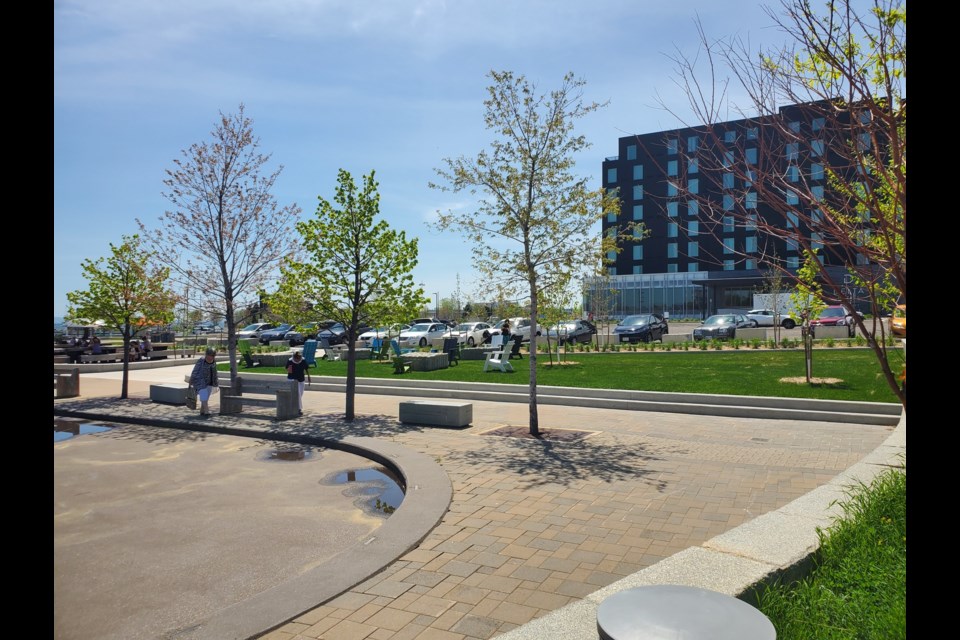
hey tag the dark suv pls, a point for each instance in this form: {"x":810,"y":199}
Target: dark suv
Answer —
{"x":276,"y":333}
{"x":643,"y":327}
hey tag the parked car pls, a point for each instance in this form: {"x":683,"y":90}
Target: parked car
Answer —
{"x":420,"y":335}
{"x":722,"y":327}
{"x":337,"y":333}
{"x":308,"y":331}
{"x":382,"y":332}
{"x":254,"y":330}
{"x":767,"y":318}
{"x":571,"y":331}
{"x":204,"y":327}
{"x":644,"y":327}
{"x":898,"y":321}
{"x":519,"y":326}
{"x":835,"y":316}
{"x":472,"y":333}
{"x":276,"y":333}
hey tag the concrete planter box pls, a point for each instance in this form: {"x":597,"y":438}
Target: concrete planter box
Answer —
{"x":752,"y":334}
{"x":170,"y":393}
{"x":678,"y":337}
{"x":831,"y":332}
{"x":437,"y":413}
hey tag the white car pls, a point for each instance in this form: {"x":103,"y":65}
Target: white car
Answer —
{"x":472,"y":333}
{"x":767,"y":318}
{"x":382,"y":332}
{"x":519,"y":326}
{"x":420,"y":335}
{"x":254,"y":330}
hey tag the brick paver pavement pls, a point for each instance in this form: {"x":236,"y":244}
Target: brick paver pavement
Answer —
{"x":534,"y":525}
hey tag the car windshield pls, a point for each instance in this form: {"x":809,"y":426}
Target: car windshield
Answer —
{"x":419,"y":327}
{"x":251,"y":327}
{"x":900,"y":313}
{"x":717,"y":320}
{"x":565,"y":326}
{"x":283,"y":327}
{"x":465,"y":327}
{"x":833,"y":312}
{"x":635,"y":321}
{"x":759,"y":312}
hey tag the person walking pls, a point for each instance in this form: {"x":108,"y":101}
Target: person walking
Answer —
{"x":204,"y":379}
{"x":297,"y":368}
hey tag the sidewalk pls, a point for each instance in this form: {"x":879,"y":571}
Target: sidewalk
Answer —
{"x":535,"y":525}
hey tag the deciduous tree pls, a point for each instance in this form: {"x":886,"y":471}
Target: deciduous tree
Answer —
{"x":355,"y":269}
{"x":226,"y":235}
{"x":536,"y":221}
{"x":128,"y":291}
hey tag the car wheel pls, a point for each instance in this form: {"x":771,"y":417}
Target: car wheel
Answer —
{"x":754,"y":324}
{"x":788,"y":324}
{"x":423,"y":342}
{"x":666,"y":330}
{"x":471,"y":342}
{"x":648,"y":338}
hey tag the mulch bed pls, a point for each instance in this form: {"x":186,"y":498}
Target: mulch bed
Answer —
{"x":553,"y":435}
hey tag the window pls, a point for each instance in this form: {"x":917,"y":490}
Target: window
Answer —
{"x":793,"y":151}
{"x":751,"y":224}
{"x":816,"y":172}
{"x":728,"y":224}
{"x":611,"y":255}
{"x":671,"y":188}
{"x":672,"y":209}
{"x":672,"y":250}
{"x":638,"y":233}
{"x":728,"y":180}
{"x":816,"y":147}
{"x":693,"y":266}
{"x":638,"y":212}
{"x":693,"y":207}
{"x":792,"y":244}
{"x":817,"y":123}
{"x":793,"y":173}
{"x":750,"y":264}
{"x":638,"y":268}
{"x":638,"y":192}
{"x":692,"y":165}
{"x":863,"y":142}
{"x":750,"y":244}
{"x":692,"y":142}
{"x":728,"y":245}
{"x":672,"y":229}
{"x":638,"y":172}
{"x":792,"y":197}
{"x":727,"y":202}
{"x":612,"y":216}
{"x":693,"y":250}
{"x":792,"y":220}
{"x":729,"y":136}
{"x":612,"y":175}
{"x":693,"y":227}
{"x":816,"y":216}
{"x":816,"y":241}
{"x":631,"y":152}
{"x":751,"y":156}
{"x":672,"y":267}
{"x":611,"y":271}
{"x":817,"y":192}
{"x":693,"y":185}
{"x":671,"y":167}
{"x":727,"y":159}
{"x":795,"y":127}
{"x":793,"y":262}
{"x":751,"y":202}
{"x":728,"y":265}
{"x":750,"y":177}
{"x":672,"y":147}
{"x":865,"y":117}
{"x":638,"y":252}
{"x":752,"y":134}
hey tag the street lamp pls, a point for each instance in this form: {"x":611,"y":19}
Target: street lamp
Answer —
{"x":438,"y":304}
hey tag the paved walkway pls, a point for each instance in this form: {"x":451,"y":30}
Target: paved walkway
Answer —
{"x":534,"y":525}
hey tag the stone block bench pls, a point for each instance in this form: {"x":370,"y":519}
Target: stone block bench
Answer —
{"x":436,"y":413}
{"x":101,"y":357}
{"x":67,"y":385}
{"x":280,"y":394}
{"x":170,"y":393}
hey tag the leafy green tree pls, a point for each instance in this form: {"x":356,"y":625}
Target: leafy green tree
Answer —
{"x":227,"y":234}
{"x":128,"y":291}
{"x":355,"y":269}
{"x":537,"y":221}
{"x":845,"y":62}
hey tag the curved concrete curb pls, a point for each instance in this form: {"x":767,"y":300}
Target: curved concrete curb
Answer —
{"x":427,"y":495}
{"x":778,"y":544}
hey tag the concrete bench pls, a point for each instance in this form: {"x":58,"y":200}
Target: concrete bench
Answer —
{"x":257,"y":393}
{"x":170,"y":393}
{"x":61,"y":359}
{"x":436,"y":413}
{"x":67,"y":385}
{"x":101,"y":357}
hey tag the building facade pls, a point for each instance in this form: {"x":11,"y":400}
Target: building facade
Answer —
{"x":698,"y":194}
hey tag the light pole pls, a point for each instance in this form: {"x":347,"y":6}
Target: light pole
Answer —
{"x":438,"y":304}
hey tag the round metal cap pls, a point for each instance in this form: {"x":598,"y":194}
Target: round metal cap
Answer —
{"x":674,"y":612}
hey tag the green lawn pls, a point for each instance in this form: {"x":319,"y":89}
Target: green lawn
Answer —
{"x":744,"y":372}
{"x":858,"y":590}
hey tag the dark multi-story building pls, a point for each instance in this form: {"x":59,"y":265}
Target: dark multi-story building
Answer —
{"x":696,"y":193}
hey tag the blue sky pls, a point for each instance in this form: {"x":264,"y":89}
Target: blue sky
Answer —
{"x":383,"y":85}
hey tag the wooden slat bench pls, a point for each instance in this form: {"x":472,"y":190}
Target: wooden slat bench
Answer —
{"x":245,"y":391}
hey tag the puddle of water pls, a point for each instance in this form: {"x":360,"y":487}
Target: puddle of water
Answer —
{"x":287,"y":455}
{"x":382,"y":486}
{"x":66,"y":428}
